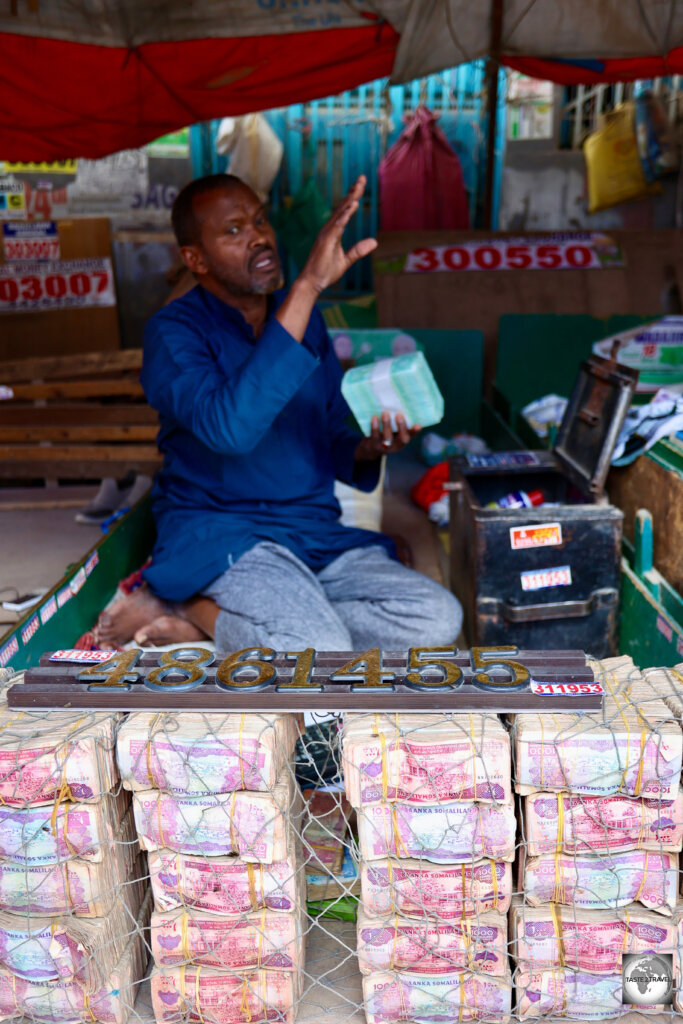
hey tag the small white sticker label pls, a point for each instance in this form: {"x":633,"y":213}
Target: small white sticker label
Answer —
{"x":564,"y":689}
{"x":539,"y":579}
{"x":83,"y":657}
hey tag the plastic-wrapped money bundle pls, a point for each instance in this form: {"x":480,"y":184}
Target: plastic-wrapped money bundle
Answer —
{"x":44,"y":834}
{"x":264,"y":939}
{"x":395,"y":943}
{"x":596,"y":756}
{"x":326,"y":823}
{"x":603,"y":883}
{"x":450,"y":891}
{"x":456,"y":832}
{"x":223,"y":885}
{"x":197,"y":993}
{"x":668,"y":685}
{"x":601,"y":824}
{"x":588,"y":941}
{"x":254,"y":825}
{"x":219,"y":811}
{"x":570,"y":994}
{"x":81,"y":887}
{"x":83,"y":950}
{"x":425,"y":759}
{"x":442,"y":997}
{"x":602,"y":821}
{"x":65,"y":1001}
{"x":196,"y":753}
{"x":45,"y":757}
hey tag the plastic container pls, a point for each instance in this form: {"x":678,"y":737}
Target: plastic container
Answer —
{"x":404,"y":385}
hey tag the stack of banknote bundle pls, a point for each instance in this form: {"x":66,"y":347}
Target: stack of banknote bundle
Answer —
{"x":217,"y":808}
{"x":73,"y":900}
{"x":436,"y":832}
{"x":602,"y":828}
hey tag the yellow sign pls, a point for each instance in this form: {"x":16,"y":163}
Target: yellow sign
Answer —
{"x":46,"y":167}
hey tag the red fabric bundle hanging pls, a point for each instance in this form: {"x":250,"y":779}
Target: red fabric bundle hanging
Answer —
{"x":421,"y":180}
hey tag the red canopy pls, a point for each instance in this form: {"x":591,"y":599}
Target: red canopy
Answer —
{"x":66,"y":99}
{"x":84,"y":78}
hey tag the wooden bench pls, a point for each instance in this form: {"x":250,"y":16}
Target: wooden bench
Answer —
{"x":79,"y":417}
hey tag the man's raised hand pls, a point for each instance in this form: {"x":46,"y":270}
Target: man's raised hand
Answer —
{"x":327,"y":261}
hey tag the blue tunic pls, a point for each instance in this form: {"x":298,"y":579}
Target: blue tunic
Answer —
{"x":253,"y":433}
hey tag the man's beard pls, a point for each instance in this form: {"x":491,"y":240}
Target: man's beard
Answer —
{"x":249,"y":284}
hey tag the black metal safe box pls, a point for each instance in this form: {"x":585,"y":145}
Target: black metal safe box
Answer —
{"x":545,"y":577}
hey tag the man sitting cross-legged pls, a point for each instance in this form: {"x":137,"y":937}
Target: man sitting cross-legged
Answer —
{"x":249,"y":549}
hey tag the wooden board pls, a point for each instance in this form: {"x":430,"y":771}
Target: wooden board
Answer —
{"x":84,"y":434}
{"x":498,"y":685}
{"x":130,"y":388}
{"x":63,"y":331}
{"x":646,"y":483}
{"x":477,"y":299}
{"x":86,"y":364}
{"x":76,"y":414}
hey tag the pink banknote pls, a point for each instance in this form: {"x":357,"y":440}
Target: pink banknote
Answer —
{"x":223,"y":885}
{"x":199,"y":994}
{"x":584,"y":754}
{"x":204,"y":752}
{"x":571,"y":995}
{"x":62,"y":1002}
{"x":253,"y":825}
{"x":264,"y":939}
{"x":590,"y":941}
{"x":44,"y":835}
{"x":443,"y":997}
{"x":395,"y":943}
{"x":43,"y":758}
{"x":425,"y":758}
{"x":596,"y":824}
{"x":604,"y":883}
{"x":443,"y":833}
{"x":85,"y":888}
{"x":68,"y":947}
{"x":420,"y":889}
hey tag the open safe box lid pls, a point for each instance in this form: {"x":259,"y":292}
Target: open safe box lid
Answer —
{"x":592,"y":422}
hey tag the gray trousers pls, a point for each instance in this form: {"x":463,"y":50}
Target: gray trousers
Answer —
{"x":363,"y":599}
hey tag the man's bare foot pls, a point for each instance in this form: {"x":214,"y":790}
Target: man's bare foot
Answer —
{"x":168,"y":629}
{"x":119,"y":624}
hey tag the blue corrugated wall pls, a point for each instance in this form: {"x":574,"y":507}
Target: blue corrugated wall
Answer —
{"x":342,"y":136}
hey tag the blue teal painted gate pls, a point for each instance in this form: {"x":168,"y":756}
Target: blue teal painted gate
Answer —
{"x":340,"y":137}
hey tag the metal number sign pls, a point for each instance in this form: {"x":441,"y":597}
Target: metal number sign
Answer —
{"x":423,"y":678}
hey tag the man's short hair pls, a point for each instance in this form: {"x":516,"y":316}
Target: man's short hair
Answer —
{"x":186,"y":226}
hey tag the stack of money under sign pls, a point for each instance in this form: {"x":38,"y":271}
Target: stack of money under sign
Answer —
{"x":73,"y":899}
{"x":436,"y":827}
{"x":217,"y":808}
{"x":602,"y":821}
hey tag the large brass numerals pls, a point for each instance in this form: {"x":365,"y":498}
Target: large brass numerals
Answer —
{"x":365,"y":673}
{"x":493,"y":669}
{"x":426,"y":661}
{"x":248,"y":669}
{"x":183,"y":668}
{"x":303,"y":670}
{"x":496,"y":657}
{"x":117,"y":672}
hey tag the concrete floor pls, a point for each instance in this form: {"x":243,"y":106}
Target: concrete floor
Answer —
{"x":37,"y":544}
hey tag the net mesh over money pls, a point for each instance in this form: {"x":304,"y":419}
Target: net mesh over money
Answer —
{"x":389,"y":868}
